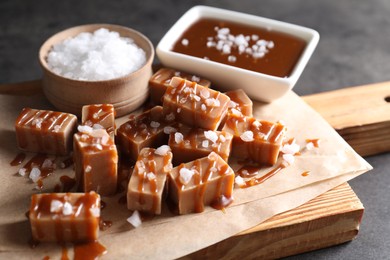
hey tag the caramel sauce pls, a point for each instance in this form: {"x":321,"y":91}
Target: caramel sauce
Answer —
{"x":222,"y":202}
{"x":89,"y":251}
{"x":47,"y":258}
{"x":37,"y":162}
{"x":104,"y":224}
{"x":259,"y":180}
{"x":315,"y":142}
{"x":248,"y":171}
{"x":66,"y":163}
{"x":19,"y":158}
{"x":278,"y":61}
{"x":67,"y":183}
{"x":306,"y":173}
{"x":64,"y":253}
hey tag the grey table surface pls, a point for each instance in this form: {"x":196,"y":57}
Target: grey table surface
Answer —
{"x":354,"y":49}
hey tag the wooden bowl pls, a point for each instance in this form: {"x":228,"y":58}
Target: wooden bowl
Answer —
{"x":125,"y":93}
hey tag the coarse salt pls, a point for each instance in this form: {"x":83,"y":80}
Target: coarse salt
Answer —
{"x":162,"y":150}
{"x":247,"y":136}
{"x":151,"y":176}
{"x":67,"y":209}
{"x":101,"y":55}
{"x":154,"y":124}
{"x":211,"y":135}
{"x":35,"y":174}
{"x":185,"y":42}
{"x":290,"y":148}
{"x":205,"y":143}
{"x":84,"y":129}
{"x":169,"y":129}
{"x":135,"y":219}
{"x":178,"y":137}
{"x":185,"y":175}
{"x":289,"y":158}
{"x":55,"y":206}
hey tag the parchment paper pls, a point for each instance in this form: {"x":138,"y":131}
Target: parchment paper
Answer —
{"x":169,"y":236}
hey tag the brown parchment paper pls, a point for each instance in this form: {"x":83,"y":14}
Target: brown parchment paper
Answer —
{"x":168,"y":236}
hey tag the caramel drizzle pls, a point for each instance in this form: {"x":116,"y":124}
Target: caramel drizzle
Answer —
{"x":19,"y":158}
{"x":259,"y":180}
{"x":99,"y":113}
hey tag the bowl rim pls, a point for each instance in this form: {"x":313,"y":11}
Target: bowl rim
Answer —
{"x":200,"y":11}
{"x":112,"y":27}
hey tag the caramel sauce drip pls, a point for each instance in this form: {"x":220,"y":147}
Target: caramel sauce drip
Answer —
{"x":67,"y":183}
{"x":104,"y":224}
{"x":315,"y":142}
{"x":260,"y":180}
{"x":305,"y":173}
{"x":89,"y":251}
{"x":278,"y":61}
{"x":248,"y":171}
{"x":66,"y":163}
{"x":19,"y":158}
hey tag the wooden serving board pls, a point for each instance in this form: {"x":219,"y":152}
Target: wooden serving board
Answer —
{"x":362,"y":116}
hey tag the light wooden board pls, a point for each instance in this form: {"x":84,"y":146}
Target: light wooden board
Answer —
{"x":362,"y":116}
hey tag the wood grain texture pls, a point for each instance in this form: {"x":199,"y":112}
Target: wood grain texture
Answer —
{"x":361,"y":115}
{"x":330,"y":219}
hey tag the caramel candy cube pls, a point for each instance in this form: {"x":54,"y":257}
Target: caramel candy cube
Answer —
{"x":159,"y":82}
{"x":240,"y":103}
{"x":99,"y":116}
{"x":147,"y":182}
{"x":65,"y":217}
{"x":144,"y":130}
{"x":195,"y":105}
{"x":95,"y":160}
{"x":45,"y":131}
{"x":255,"y":140}
{"x":190,"y":144}
{"x":205,"y":181}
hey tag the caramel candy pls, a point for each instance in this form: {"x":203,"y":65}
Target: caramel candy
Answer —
{"x":144,"y":130}
{"x":240,"y":103}
{"x":65,"y":217}
{"x":147,"y":182}
{"x":190,"y":144}
{"x":99,"y":116}
{"x":195,"y":105}
{"x":255,"y":140}
{"x":95,"y":160}
{"x":159,"y":82}
{"x":45,"y":131}
{"x":206,"y":181}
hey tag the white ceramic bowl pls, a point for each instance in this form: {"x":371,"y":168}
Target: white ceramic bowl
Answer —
{"x":258,"y":86}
